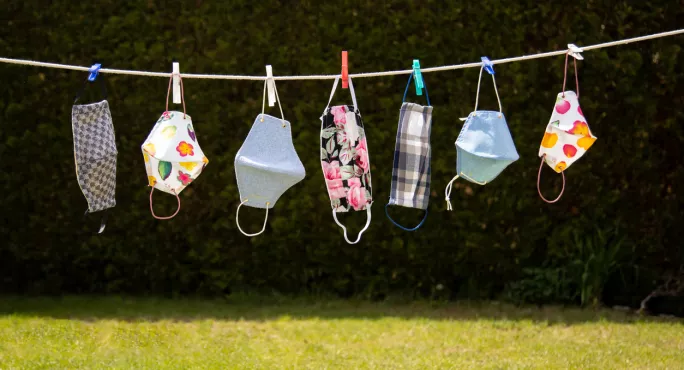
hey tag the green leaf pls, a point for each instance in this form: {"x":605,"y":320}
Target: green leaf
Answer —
{"x":330,"y":146}
{"x":164,"y":169}
{"x":328,"y":132}
{"x":347,"y":172}
{"x":324,"y":154}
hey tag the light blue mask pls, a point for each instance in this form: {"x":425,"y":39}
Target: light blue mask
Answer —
{"x":484,"y":148}
{"x":267,"y":164}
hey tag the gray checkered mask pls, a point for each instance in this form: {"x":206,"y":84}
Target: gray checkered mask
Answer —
{"x":411,"y":170}
{"x":95,"y":153}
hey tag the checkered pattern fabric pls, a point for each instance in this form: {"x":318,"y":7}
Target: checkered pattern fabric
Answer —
{"x":95,"y":153}
{"x":411,"y":172}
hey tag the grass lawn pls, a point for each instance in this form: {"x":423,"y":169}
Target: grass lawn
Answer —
{"x":273,"y":333}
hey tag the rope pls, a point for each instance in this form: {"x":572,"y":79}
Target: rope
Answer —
{"x":330,"y":77}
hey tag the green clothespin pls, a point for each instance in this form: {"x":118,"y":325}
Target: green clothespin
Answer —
{"x":418,"y":77}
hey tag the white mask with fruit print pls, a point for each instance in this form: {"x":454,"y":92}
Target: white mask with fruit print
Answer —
{"x":567,"y":135}
{"x":173,"y":158}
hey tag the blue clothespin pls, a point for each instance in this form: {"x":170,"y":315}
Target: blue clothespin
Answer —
{"x":418,"y":77}
{"x":94,"y":69}
{"x":488,"y":66}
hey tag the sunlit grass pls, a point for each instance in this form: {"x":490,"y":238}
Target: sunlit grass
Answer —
{"x":248,"y":332}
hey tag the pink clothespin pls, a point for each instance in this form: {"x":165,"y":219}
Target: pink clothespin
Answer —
{"x":345,"y":71}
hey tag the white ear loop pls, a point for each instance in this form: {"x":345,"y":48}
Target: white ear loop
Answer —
{"x":447,"y":193}
{"x":368,"y":220}
{"x":263,"y":103}
{"x":237,"y":216}
{"x":477,"y":95}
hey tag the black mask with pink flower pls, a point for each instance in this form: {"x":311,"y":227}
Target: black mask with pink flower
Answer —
{"x":345,"y":161}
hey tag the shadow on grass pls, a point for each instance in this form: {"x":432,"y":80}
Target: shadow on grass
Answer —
{"x":262,"y":308}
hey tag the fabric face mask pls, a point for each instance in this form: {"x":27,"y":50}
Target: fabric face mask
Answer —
{"x":95,"y":153}
{"x":173,"y":158}
{"x":411,"y":170}
{"x":484,"y":147}
{"x":267,"y":163}
{"x":345,"y":160}
{"x":567,"y":135}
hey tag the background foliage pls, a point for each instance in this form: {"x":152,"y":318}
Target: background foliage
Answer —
{"x":501,"y":238}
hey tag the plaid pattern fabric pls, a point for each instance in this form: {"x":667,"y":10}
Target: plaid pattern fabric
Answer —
{"x":411,"y":172}
{"x":95,"y":153}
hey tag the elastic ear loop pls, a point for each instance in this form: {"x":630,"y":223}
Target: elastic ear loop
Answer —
{"x":237,"y":221}
{"x":353,"y":95}
{"x":169,"y":217}
{"x":168,"y":92}
{"x":351,"y":91}
{"x":565,"y":74}
{"x":427,"y":96}
{"x":406,"y":228}
{"x":368,"y":220}
{"x":332,"y":93}
{"x":447,"y":191}
{"x":102,"y":87}
{"x":539,"y":178}
{"x":477,"y":95}
{"x":263,"y":103}
{"x":103,"y":220}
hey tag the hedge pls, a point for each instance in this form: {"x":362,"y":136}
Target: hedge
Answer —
{"x":613,"y":235}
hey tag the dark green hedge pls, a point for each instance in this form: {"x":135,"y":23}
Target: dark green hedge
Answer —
{"x":616,"y":231}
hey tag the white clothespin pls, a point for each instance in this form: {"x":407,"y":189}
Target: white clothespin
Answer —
{"x":574,"y":51}
{"x":176,"y":83}
{"x":270,"y":85}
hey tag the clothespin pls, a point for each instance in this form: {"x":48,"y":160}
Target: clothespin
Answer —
{"x":574,"y":52}
{"x":345,"y":71}
{"x":418,"y":77}
{"x":94,"y":70}
{"x":488,"y":66}
{"x":176,"y":83}
{"x":270,"y":85}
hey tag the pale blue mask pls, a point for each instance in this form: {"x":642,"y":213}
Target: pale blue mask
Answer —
{"x":484,"y":148}
{"x":267,"y":164}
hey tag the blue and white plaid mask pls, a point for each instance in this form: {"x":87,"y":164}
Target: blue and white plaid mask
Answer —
{"x":412,"y":152}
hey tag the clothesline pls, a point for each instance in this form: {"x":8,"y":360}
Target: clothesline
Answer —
{"x":330,"y":77}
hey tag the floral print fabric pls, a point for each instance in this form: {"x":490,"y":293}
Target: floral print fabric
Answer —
{"x":173,"y":158}
{"x":344,"y":159}
{"x":567,"y":135}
